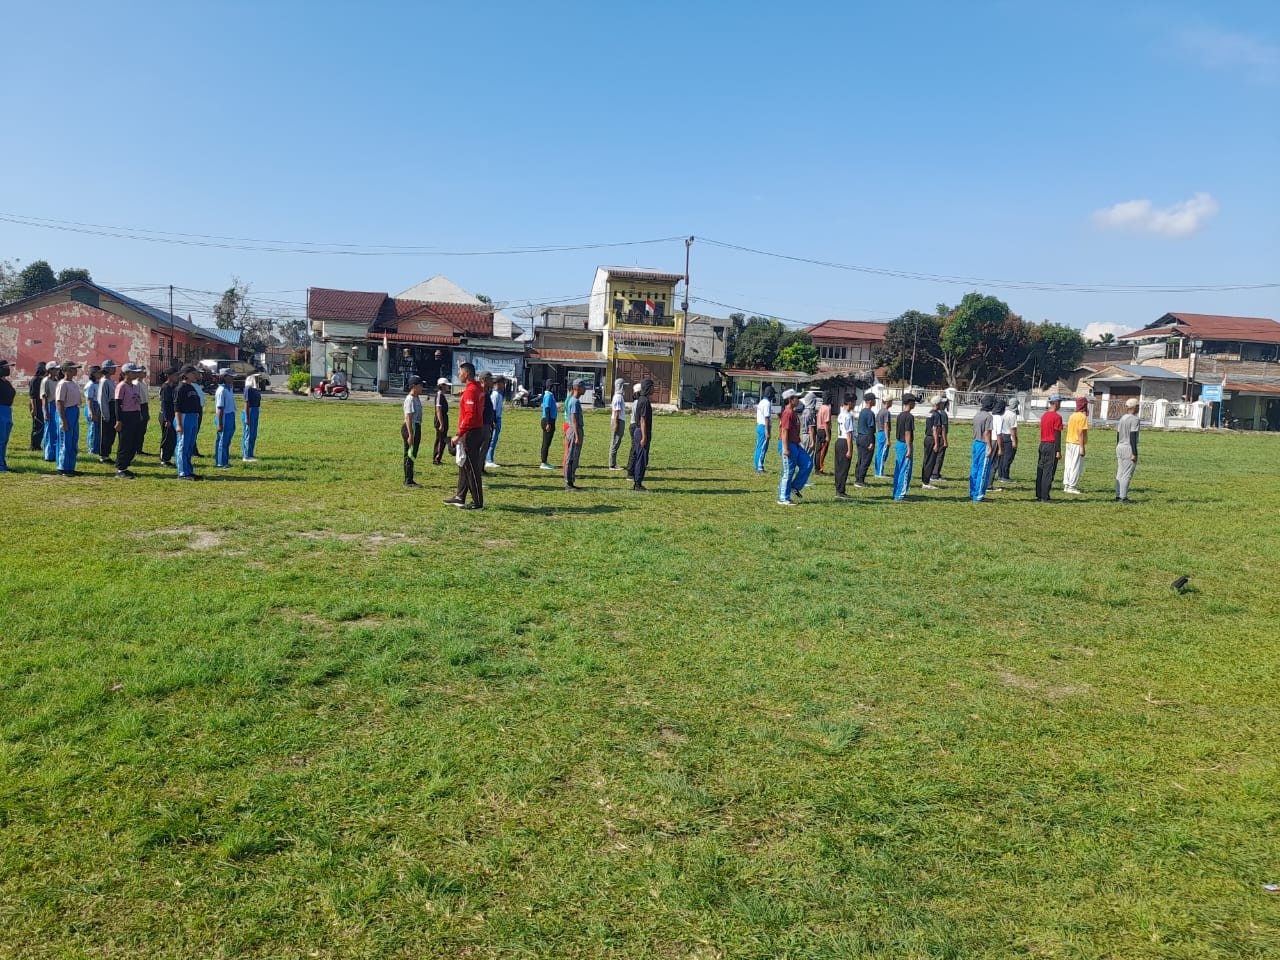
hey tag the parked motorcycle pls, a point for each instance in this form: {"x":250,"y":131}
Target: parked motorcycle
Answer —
{"x":524,"y":398}
{"x":339,"y":392}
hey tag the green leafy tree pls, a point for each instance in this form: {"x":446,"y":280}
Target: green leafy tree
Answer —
{"x":36,"y":277}
{"x":757,"y":344}
{"x":982,"y":343}
{"x":1055,"y":350}
{"x":67,"y":274}
{"x":912,"y":336}
{"x":292,"y":332}
{"x":1107,"y":339}
{"x":798,"y":356}
{"x":8,"y":281}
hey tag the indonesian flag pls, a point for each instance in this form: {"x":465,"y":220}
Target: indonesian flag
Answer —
{"x":650,"y":307}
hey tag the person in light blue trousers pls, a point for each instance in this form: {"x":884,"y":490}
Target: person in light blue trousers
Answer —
{"x":7,"y":394}
{"x":92,"y":412}
{"x":497,"y":396}
{"x":67,"y":414}
{"x":983,"y":426}
{"x":224,"y":410}
{"x":249,"y":421}
{"x":882,"y":435}
{"x":904,"y":448}
{"x":764,"y":427}
{"x":796,"y":462}
{"x":186,"y":421}
{"x":48,"y":389}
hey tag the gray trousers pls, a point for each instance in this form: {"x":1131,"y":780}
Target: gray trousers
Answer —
{"x":1124,"y":471}
{"x":614,"y":443}
{"x":572,"y":454}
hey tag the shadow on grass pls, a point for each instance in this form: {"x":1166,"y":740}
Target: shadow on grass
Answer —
{"x":597,"y":508}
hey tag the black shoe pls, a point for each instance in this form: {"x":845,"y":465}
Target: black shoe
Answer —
{"x":410,"y":483}
{"x":641,"y":488}
{"x":63,"y":473}
{"x":796,"y":494}
{"x":106,"y":460}
{"x":455,"y":502}
{"x":126,"y":475}
{"x":841,"y":496}
{"x":470,"y":506}
{"x":166,"y":463}
{"x":197,"y":476}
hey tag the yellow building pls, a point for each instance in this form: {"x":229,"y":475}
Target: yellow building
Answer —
{"x":636,"y":310}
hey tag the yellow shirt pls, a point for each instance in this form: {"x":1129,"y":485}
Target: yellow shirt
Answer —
{"x":1077,"y":424}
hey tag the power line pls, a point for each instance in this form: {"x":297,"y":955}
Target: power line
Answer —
{"x":1047,"y":286}
{"x":300,"y":246}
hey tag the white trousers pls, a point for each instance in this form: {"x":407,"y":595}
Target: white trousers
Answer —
{"x":1073,"y":465}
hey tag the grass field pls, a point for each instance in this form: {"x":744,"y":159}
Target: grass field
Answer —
{"x":301,"y":711}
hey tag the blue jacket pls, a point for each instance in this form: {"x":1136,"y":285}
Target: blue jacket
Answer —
{"x":548,"y":405}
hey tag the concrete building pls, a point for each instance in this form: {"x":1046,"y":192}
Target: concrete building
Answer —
{"x":643,"y":334}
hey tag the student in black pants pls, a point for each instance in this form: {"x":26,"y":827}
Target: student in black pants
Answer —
{"x":644,"y":435}
{"x":168,"y":438}
{"x":37,"y":407}
{"x":865,"y":439}
{"x":1050,"y":449}
{"x":844,"y":445}
{"x":441,"y":422}
{"x":411,"y":428}
{"x":108,"y":411}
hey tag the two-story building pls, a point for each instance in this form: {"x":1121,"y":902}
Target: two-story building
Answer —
{"x":846,"y":348}
{"x":643,"y":332}
{"x":565,"y":348}
{"x":1239,"y":354}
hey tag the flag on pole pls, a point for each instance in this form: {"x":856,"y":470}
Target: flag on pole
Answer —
{"x":650,"y":307}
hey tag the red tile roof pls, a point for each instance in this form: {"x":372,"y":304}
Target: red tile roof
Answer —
{"x":551,"y":355}
{"x":393,"y":337}
{"x":847,"y":330}
{"x":1206,"y":326}
{"x":1251,"y":388}
{"x":471,"y":318}
{"x":352,"y":306}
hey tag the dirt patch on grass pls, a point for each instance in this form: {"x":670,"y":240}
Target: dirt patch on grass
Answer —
{"x":370,"y":541}
{"x":187,"y":538}
{"x":1046,"y":690}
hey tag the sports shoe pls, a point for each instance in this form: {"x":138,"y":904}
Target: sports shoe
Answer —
{"x":546,"y":466}
{"x":490,"y":465}
{"x":785,"y":503}
{"x":572,"y":488}
{"x":470,"y":506}
{"x":410,"y":483}
{"x":842,"y":496}
{"x":640,"y":488}
{"x":455,"y":501}
{"x":860,"y":486}
{"x":927,"y":486}
{"x":797,"y":494}
{"x":248,"y":459}
{"x":126,"y":475}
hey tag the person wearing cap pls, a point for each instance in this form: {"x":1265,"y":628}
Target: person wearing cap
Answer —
{"x":796,"y":463}
{"x":485,"y":379}
{"x":7,"y":393}
{"x":186,"y":422}
{"x":932,"y":443}
{"x":865,"y":438}
{"x":107,"y":411}
{"x":808,"y":408}
{"x":997,"y":450}
{"x":168,"y":436}
{"x":1050,"y":448}
{"x":844,"y":445}
{"x":497,"y":398}
{"x":470,"y":438}
{"x":67,"y":400}
{"x":35,"y":407}
{"x":644,"y":435}
{"x":822,"y":437}
{"x":983,"y":448}
{"x":1008,"y":424}
{"x":882,"y":435}
{"x":144,"y":400}
{"x":441,"y":421}
{"x":128,"y":420}
{"x":1127,"y":448}
{"x":1077,"y":439}
{"x":936,"y":479}
{"x":573,"y":433}
{"x":411,"y":428}
{"x":224,"y":413}
{"x":48,"y":399}
{"x":631,"y":430}
{"x":92,"y":412}
{"x":549,"y":414}
{"x":249,"y":420}
{"x":904,"y":447}
{"x":764,"y":427}
{"x":617,"y":421}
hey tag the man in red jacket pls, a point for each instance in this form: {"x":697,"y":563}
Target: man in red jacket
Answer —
{"x":470,"y":440}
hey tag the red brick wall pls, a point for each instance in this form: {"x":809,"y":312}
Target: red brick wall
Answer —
{"x":71,"y":331}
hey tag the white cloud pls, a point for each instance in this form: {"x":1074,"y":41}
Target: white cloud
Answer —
{"x":1141,"y":216}
{"x":1095,"y":330}
{"x":1228,"y":50}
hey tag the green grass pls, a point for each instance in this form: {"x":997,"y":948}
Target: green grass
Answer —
{"x":309,"y":713}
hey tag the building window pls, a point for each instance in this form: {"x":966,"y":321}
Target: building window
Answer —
{"x":833,"y":353}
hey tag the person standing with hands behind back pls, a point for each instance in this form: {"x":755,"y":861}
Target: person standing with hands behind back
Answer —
{"x":1050,"y":448}
{"x":573,"y":434}
{"x":644,"y":435}
{"x":411,"y":428}
{"x":7,"y":394}
{"x":1127,"y":448}
{"x":186,"y":421}
{"x":471,"y":438}
{"x":548,"y":422}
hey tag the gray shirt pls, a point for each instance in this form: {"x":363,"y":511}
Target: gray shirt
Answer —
{"x":1127,"y":431}
{"x":882,"y":420}
{"x":982,"y":425}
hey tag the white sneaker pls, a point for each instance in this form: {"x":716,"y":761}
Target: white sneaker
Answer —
{"x":927,"y":486}
{"x":785,"y":503}
{"x":546,"y":466}
{"x":490,"y":465}
{"x":248,"y":459}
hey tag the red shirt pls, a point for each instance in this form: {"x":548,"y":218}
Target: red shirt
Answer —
{"x":1050,"y":426}
{"x":471,"y":408}
{"x":789,"y":425}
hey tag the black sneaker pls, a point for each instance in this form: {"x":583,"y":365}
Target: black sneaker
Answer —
{"x":410,"y":483}
{"x":455,"y":502}
{"x":640,"y":488}
{"x":470,"y":506}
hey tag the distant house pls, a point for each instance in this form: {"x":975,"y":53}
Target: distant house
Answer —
{"x":635,"y":309}
{"x":846,"y":348}
{"x":565,"y":348}
{"x":380,"y":341}
{"x":87,"y":322}
{"x":1120,"y":381}
{"x":706,"y":341}
{"x":1241,"y":354}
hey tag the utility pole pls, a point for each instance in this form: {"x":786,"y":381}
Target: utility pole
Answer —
{"x":915,"y":339}
{"x":685,"y":306}
{"x":171,"y":322}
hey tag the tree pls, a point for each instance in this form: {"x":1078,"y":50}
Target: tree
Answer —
{"x":798,"y":356}
{"x":912,"y":336}
{"x":757,"y":344}
{"x":8,"y":281}
{"x":487,"y":301}
{"x":292,"y":332}
{"x":1055,"y":350}
{"x":67,"y":274}
{"x":235,"y":312}
{"x":36,"y":277}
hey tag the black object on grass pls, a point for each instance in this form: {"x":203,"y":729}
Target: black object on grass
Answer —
{"x":1179,"y":583}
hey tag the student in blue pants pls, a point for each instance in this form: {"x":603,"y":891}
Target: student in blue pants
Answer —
{"x":92,"y":415}
{"x":67,"y":413}
{"x":249,"y":425}
{"x":983,"y":425}
{"x":6,"y":414}
{"x":764,"y":427}
{"x":903,"y":448}
{"x":224,"y":411}
{"x":48,"y":389}
{"x":186,"y":422}
{"x":882,"y":435}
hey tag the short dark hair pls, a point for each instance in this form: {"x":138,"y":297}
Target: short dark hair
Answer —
{"x":468,"y":367}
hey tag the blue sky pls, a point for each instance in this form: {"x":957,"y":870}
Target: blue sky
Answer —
{"x":990,"y":140}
